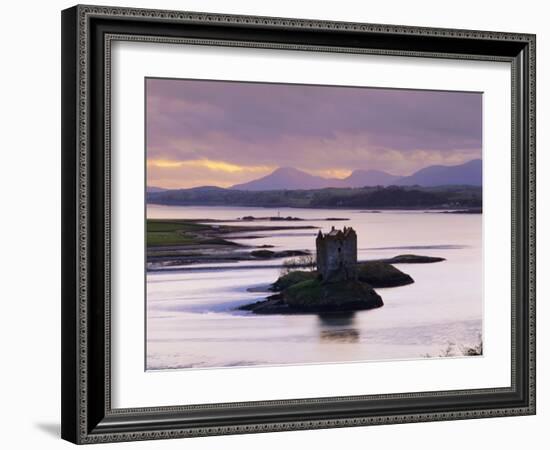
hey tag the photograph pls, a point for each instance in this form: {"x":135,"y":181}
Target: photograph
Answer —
{"x":291,"y":224}
{"x":273,"y":223}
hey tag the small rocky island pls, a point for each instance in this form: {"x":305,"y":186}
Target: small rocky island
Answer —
{"x":339,"y":282}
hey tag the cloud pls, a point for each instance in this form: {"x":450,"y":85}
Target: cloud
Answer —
{"x":200,"y":172}
{"x":243,"y":129}
{"x":215,"y":166}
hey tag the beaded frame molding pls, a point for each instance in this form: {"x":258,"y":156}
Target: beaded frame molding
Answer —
{"x":87,"y":35}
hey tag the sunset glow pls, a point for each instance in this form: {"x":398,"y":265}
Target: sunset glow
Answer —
{"x":225,"y":133}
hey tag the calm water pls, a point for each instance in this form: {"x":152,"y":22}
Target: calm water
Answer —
{"x":191,"y":322}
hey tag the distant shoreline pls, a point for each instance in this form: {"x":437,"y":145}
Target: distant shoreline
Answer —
{"x":456,"y":197}
{"x":440,"y":210}
{"x":185,"y":242}
{"x":192,"y":241}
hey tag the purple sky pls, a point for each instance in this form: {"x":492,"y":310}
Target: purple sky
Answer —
{"x":223,"y":133}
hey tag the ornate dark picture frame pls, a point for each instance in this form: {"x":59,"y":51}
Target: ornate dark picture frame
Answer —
{"x":87,"y":34}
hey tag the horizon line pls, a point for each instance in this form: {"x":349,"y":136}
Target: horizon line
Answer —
{"x":351,"y":171}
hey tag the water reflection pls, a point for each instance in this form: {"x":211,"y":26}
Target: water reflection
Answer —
{"x":338,"y":327}
{"x":191,"y":320}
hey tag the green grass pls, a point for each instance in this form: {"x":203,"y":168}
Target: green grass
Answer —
{"x":292,"y":278}
{"x":304,"y":293}
{"x":350,"y":294}
{"x":158,"y":225}
{"x":169,"y":238}
{"x":174,"y":232}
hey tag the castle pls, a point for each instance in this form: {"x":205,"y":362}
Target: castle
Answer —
{"x":337,"y":255}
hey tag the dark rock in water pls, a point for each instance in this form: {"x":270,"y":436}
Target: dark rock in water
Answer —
{"x":413,"y":259}
{"x":270,"y":218}
{"x":262,"y":253}
{"x":302,"y":292}
{"x":312,"y":296}
{"x":347,"y":295}
{"x":375,"y":273}
{"x":464,"y":211}
{"x":287,"y":253}
{"x":266,"y":254}
{"x":272,"y":305}
{"x":382,"y":274}
{"x":218,"y":241}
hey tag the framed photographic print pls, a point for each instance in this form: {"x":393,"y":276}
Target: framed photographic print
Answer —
{"x":278,"y":224}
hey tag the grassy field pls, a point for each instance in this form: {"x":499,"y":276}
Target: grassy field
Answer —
{"x":182,"y":232}
{"x":175,"y":232}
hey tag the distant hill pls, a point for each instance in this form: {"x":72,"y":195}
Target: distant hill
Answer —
{"x":406,"y":197}
{"x":469,"y":173}
{"x":288,"y":178}
{"x":360,"y":178}
{"x":204,"y":189}
{"x":155,"y":189}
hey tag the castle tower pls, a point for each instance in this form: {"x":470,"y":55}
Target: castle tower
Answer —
{"x":337,"y":255}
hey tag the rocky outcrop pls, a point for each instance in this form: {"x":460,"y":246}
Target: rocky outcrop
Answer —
{"x":413,"y":259}
{"x":312,"y":296}
{"x":303,"y":292}
{"x":382,"y":274}
{"x":346,"y":295}
{"x":268,"y":254}
{"x":375,"y":273}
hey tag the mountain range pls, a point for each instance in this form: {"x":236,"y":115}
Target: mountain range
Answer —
{"x":288,"y":178}
{"x":151,"y":189}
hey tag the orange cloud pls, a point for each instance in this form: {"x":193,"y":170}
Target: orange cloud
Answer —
{"x":216,"y":166}
{"x":330,"y":173}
